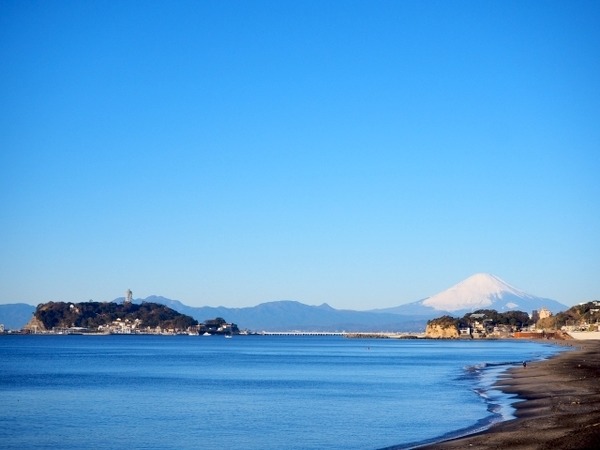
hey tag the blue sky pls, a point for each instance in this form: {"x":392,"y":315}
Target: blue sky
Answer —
{"x":363,"y":154}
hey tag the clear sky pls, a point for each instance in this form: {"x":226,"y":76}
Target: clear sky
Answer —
{"x":360,"y":153}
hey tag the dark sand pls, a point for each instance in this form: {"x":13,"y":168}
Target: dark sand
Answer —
{"x":561,"y":407}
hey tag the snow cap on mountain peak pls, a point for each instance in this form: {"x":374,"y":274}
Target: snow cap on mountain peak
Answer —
{"x":476,"y":292}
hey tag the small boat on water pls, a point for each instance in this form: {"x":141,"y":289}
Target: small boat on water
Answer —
{"x":207,"y":334}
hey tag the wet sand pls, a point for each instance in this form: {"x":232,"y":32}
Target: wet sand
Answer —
{"x":561,"y":407}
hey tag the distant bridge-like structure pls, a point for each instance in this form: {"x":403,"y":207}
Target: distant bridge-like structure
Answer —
{"x":302,"y":333}
{"x":379,"y":335}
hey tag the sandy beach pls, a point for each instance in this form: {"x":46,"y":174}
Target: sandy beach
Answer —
{"x":560,"y":407}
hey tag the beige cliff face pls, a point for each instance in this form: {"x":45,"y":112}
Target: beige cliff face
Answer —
{"x":437,"y":331}
{"x":35,"y":326}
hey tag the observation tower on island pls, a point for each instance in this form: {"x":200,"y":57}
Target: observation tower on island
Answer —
{"x":128,"y":296}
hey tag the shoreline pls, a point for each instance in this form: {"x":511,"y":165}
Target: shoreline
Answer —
{"x":557,"y":406}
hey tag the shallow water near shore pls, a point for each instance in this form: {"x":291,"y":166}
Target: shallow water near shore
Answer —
{"x":255,"y":392}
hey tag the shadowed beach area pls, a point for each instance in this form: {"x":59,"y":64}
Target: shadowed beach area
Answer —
{"x":560,"y":407}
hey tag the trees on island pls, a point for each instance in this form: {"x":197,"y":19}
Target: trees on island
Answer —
{"x":133,"y":317}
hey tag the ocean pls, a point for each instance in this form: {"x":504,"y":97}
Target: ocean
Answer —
{"x":250,"y":392}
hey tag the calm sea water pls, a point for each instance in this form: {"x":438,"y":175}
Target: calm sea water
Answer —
{"x":251,"y":392}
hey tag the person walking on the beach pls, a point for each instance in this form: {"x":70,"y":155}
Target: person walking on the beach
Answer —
{"x":524,"y":363}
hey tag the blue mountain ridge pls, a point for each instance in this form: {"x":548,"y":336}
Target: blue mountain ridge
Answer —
{"x":15,"y":316}
{"x":287,"y":315}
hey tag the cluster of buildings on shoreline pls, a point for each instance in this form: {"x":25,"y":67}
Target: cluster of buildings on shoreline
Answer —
{"x":130,"y":327}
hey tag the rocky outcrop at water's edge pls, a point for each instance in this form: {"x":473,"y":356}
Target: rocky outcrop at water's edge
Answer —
{"x":441,"y":331}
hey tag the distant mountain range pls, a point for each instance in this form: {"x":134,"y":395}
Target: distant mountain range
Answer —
{"x":15,"y":315}
{"x":480,"y":291}
{"x":287,"y":315}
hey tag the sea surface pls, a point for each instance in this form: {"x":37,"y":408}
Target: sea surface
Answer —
{"x":250,"y":392}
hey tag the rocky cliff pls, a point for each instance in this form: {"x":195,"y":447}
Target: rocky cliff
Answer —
{"x":35,"y":325}
{"x":443,"y":328}
{"x":440,"y":332}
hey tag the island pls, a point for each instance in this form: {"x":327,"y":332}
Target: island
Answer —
{"x":126,"y":318}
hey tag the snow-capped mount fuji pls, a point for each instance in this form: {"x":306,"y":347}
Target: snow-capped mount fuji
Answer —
{"x":479,"y":291}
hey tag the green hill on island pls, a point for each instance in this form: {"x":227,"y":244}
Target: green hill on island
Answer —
{"x":104,"y":315}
